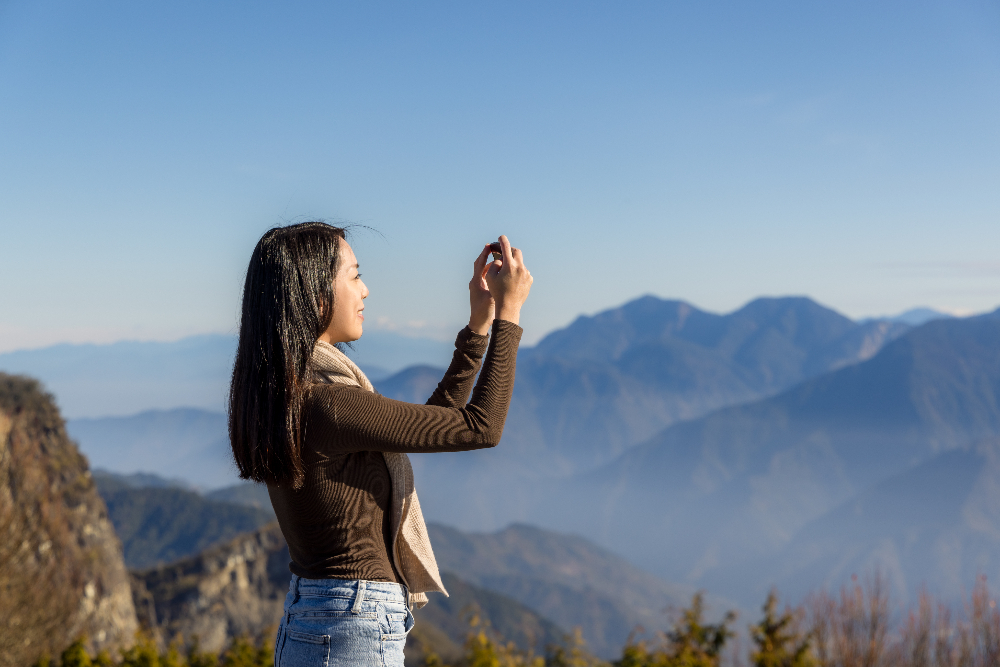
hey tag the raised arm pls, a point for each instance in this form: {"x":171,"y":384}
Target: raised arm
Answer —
{"x":344,"y":419}
{"x":510,"y":281}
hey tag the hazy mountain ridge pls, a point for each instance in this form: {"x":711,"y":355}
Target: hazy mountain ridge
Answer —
{"x":185,"y":443}
{"x":936,"y":525}
{"x":739,"y":482}
{"x":413,"y":385}
{"x":566,"y":578}
{"x":583,"y":395}
{"x":652,"y":362}
{"x":589,"y":392}
{"x":128,"y":377}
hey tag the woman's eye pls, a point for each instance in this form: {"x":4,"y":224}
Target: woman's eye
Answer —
{"x":357,"y":276}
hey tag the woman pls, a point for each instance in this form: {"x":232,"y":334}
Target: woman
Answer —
{"x":306,"y":421}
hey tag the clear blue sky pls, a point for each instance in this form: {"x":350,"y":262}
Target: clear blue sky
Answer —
{"x":708,"y":151}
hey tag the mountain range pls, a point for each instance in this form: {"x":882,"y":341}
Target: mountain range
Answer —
{"x":588,"y":393}
{"x":584,"y":394}
{"x":606,"y":382}
{"x":705,"y":501}
{"x":705,"y":447}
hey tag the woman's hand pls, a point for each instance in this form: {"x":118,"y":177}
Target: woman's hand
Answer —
{"x":479,"y":296}
{"x":509,"y":282}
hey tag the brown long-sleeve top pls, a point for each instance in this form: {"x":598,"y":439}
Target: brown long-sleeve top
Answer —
{"x":338,"y":524}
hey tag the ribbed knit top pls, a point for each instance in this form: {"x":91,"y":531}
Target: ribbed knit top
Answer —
{"x":338,"y":525}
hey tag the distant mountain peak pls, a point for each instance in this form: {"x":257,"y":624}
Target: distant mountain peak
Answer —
{"x":805,"y":327}
{"x":913,"y":317}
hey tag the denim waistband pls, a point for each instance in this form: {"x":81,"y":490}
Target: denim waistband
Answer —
{"x":387,"y":591}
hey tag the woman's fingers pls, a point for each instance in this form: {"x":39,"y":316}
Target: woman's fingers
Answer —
{"x":480,"y":263}
{"x":510,"y":283}
{"x":505,"y":249}
{"x":480,"y":298}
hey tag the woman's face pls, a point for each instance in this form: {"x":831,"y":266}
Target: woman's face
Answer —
{"x":348,"y":300}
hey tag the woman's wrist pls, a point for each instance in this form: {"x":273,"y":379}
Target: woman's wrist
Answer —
{"x":509,"y":313}
{"x":481,"y":328}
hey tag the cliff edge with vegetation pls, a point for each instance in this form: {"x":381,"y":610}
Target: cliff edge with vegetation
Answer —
{"x":62,"y":575}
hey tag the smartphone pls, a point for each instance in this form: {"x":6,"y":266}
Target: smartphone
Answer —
{"x":497,"y":250}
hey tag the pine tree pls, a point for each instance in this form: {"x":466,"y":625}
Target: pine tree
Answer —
{"x":778,"y":642}
{"x":573,"y":654}
{"x":690,"y":643}
{"x":694,"y":643}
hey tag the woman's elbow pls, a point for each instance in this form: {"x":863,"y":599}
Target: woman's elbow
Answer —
{"x":492,"y":434}
{"x":484,"y":437}
{"x":487,"y":428}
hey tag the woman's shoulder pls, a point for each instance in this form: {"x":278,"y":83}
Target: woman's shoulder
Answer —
{"x":320,"y":393}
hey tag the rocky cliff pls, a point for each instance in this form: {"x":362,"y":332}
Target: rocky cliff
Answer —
{"x":61,"y":568}
{"x":237,"y":588}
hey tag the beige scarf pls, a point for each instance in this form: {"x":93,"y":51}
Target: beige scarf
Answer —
{"x":411,"y":547}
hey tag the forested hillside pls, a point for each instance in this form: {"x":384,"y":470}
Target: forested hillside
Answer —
{"x":159,"y":524}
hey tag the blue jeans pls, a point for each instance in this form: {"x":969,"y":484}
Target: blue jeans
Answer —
{"x":334,"y":622}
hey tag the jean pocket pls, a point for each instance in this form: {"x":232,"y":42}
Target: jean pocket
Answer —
{"x":395,"y":626}
{"x":395,"y":621}
{"x":299,"y":649}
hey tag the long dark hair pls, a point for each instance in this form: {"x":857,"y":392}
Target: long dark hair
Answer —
{"x":287,"y":305}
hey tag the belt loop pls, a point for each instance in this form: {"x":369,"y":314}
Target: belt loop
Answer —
{"x":293,"y":588}
{"x":359,"y":598}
